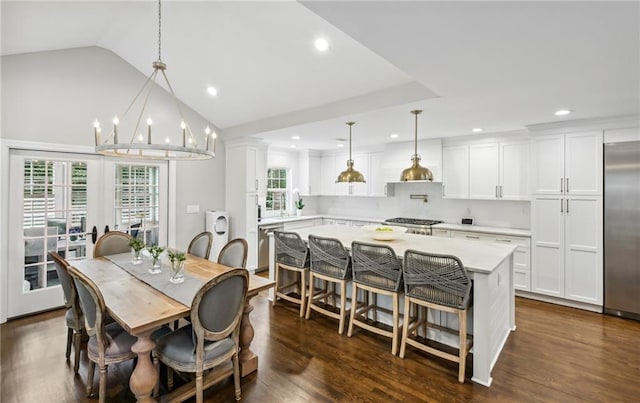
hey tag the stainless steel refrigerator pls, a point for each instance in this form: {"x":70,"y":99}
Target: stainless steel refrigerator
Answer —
{"x":622,"y":229}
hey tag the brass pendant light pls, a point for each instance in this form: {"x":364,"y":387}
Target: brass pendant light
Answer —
{"x":416,"y":172}
{"x":350,"y":175}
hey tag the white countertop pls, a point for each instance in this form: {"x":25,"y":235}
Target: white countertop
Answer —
{"x":490,"y":230}
{"x":293,"y":218}
{"x":475,"y":256}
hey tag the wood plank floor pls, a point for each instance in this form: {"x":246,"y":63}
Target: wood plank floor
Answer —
{"x":557,"y":354}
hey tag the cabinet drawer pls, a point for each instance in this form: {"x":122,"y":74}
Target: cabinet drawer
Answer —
{"x":472,"y":236}
{"x":445,"y":233}
{"x":522,"y":280}
{"x":302,"y":224}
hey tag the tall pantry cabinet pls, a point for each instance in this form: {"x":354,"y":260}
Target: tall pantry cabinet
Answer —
{"x":566,"y":216}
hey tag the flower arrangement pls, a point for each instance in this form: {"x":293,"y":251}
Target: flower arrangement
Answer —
{"x":156,"y":251}
{"x":299,"y":203}
{"x":136,"y":244}
{"x":176,"y":256}
{"x":177,"y":259}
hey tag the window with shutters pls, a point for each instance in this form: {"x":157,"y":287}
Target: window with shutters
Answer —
{"x":277,"y":190}
{"x":137,"y":195}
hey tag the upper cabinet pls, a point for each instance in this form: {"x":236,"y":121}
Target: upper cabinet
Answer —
{"x":256,"y":166}
{"x":568,"y":163}
{"x":455,"y":172}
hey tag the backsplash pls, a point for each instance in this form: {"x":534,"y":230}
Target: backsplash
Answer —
{"x":497,"y":213}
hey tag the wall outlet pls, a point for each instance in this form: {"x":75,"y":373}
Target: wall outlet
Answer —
{"x":193,"y":209}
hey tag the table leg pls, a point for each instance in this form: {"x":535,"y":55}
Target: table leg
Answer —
{"x":248,"y":360}
{"x":144,"y":376}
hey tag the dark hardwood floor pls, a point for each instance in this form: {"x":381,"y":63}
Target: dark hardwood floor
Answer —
{"x":557,"y":354}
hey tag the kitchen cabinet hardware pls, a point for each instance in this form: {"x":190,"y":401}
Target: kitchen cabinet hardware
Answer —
{"x":561,"y":185}
{"x":567,"y":209}
{"x":561,"y":206}
{"x":472,"y":237}
{"x":496,"y":191}
{"x":567,"y":181}
{"x":503,"y":240}
{"x":256,"y":184}
{"x":501,"y":191}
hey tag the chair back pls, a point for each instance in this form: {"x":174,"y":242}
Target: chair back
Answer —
{"x":329,"y":257}
{"x":376,"y":265}
{"x":112,"y":243}
{"x":68,"y":287}
{"x":440,"y":279}
{"x":217,"y":307}
{"x":291,"y":249}
{"x":93,"y":307}
{"x":200,"y":245}
{"x":234,"y":253}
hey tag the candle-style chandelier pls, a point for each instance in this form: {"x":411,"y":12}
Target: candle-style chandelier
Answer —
{"x":141,"y":145}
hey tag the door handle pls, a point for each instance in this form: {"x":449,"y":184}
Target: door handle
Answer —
{"x":561,"y":185}
{"x":561,"y":206}
{"x":567,"y":206}
{"x":496,"y":191}
{"x":567,"y":180}
{"x":501,"y":191}
{"x":94,"y":235}
{"x":256,"y":185}
{"x":472,"y":237}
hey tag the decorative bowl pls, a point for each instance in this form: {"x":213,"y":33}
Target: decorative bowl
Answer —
{"x":384,"y":232}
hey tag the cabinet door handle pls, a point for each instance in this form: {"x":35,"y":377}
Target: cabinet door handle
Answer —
{"x":561,"y":185}
{"x":504,"y":240}
{"x":561,"y":206}
{"x":567,"y":180}
{"x":496,"y":191}
{"x":501,"y":191}
{"x":472,"y":237}
{"x":567,"y":206}
{"x":443,"y":190}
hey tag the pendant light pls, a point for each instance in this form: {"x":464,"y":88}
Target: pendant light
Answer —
{"x":416,"y":172}
{"x":350,"y":175}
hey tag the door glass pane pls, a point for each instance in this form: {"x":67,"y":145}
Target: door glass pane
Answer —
{"x":137,"y":207}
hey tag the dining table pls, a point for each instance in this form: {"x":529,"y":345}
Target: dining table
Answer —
{"x":135,"y":301}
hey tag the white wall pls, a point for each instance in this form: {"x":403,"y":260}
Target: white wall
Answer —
{"x":499,"y":213}
{"x":53,"y":97}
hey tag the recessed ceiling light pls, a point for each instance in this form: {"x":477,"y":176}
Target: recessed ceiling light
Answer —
{"x":295,"y":138}
{"x":340,"y":145}
{"x":563,"y":112}
{"x":212,"y":91}
{"x":477,"y":129}
{"x":321,"y":44}
{"x":394,"y":136}
{"x":292,"y":146}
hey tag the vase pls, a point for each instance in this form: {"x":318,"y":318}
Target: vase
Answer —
{"x":176,"y":267}
{"x":299,"y":212}
{"x":137,"y":256}
{"x":155,"y":265}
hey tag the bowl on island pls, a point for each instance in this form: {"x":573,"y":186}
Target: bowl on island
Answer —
{"x":384,"y":232}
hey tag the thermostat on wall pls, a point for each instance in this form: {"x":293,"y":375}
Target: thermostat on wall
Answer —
{"x":468,"y":221}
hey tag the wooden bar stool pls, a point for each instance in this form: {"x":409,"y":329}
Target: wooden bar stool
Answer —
{"x":376,"y":269}
{"x":292,"y":255}
{"x":330,"y":262}
{"x":438,"y":282}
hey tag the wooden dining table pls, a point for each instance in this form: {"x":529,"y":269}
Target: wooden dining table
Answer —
{"x":141,"y":309}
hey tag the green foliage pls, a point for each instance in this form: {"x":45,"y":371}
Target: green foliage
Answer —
{"x":156,"y":250}
{"x":137,"y":244}
{"x":176,"y":255}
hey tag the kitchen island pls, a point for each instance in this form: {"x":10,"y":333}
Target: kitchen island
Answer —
{"x":490,"y":266}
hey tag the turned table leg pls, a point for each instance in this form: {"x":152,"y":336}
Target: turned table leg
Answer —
{"x":144,"y":376}
{"x":248,"y":360}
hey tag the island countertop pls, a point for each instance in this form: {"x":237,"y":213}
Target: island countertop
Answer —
{"x":475,"y":256}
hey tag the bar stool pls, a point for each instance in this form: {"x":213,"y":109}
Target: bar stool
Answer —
{"x":292,"y":254}
{"x":376,"y":269}
{"x":330,"y":263}
{"x":438,"y":282}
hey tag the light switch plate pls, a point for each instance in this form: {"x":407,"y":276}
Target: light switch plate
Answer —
{"x":193,"y":209}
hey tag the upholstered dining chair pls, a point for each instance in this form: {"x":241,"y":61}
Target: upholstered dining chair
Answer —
{"x":212,"y":338}
{"x":112,"y":243}
{"x":74,"y":317}
{"x":200,"y":245}
{"x":234,"y":253}
{"x":330,"y":262}
{"x":376,"y":270}
{"x":108,"y":344}
{"x":292,"y":255}
{"x":437,"y":282}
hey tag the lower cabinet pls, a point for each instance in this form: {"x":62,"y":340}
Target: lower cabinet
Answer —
{"x":312,"y":222}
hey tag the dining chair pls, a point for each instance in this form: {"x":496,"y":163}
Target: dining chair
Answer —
{"x":234,"y":253}
{"x":112,"y":243}
{"x":108,"y":343}
{"x":292,"y":255}
{"x":330,"y":262}
{"x":437,"y":282}
{"x":212,"y":338}
{"x":73,"y":316}
{"x":200,"y":245}
{"x":376,"y":270}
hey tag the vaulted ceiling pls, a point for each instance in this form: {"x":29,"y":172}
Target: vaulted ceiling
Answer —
{"x":495,"y":65}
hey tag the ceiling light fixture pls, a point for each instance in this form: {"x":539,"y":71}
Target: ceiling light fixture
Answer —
{"x":340,"y":145}
{"x":416,"y":172}
{"x":212,"y":91}
{"x":477,"y":129}
{"x":350,"y":175}
{"x":562,"y":112}
{"x":295,"y":137}
{"x":137,"y":147}
{"x":394,"y":136}
{"x":321,"y":44}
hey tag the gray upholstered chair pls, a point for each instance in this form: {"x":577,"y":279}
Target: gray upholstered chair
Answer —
{"x":330,"y":262}
{"x":200,"y":245}
{"x":376,"y":270}
{"x":74,"y":317}
{"x":108,"y":344}
{"x":436,"y":282}
{"x":234,"y":253}
{"x":112,"y":243}
{"x":212,"y":337}
{"x":292,"y":255}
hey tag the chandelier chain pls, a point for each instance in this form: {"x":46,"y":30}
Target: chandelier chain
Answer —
{"x":159,"y":30}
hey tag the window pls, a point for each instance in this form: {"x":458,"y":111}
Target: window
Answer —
{"x":137,"y":196}
{"x":276,"y":189}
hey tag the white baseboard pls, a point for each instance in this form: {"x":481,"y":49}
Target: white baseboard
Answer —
{"x":559,"y":301}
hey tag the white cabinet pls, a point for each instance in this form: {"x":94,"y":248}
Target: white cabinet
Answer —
{"x":312,"y":222}
{"x":251,"y":232}
{"x":328,"y":179}
{"x":499,"y":171}
{"x":376,"y":179}
{"x":567,"y":247}
{"x":315,"y":169}
{"x":444,"y":233}
{"x":568,"y":164}
{"x":256,"y":170}
{"x":455,"y":172}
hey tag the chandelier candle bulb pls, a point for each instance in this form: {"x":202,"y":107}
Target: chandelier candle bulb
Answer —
{"x":149,"y":122}
{"x":96,"y":131}
{"x":184,"y":133}
{"x":207,"y":132}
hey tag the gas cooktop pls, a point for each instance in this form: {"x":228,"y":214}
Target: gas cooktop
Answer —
{"x":412,"y":221}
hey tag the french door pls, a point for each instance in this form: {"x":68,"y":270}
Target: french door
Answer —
{"x":62,"y":202}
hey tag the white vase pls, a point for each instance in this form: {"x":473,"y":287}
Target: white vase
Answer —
{"x":299,"y":212}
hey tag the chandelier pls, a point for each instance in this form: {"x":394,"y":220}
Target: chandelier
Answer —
{"x":416,"y":172}
{"x":141,"y":145}
{"x":350,"y":175}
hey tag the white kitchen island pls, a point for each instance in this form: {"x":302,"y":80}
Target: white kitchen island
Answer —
{"x":489,"y":265}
